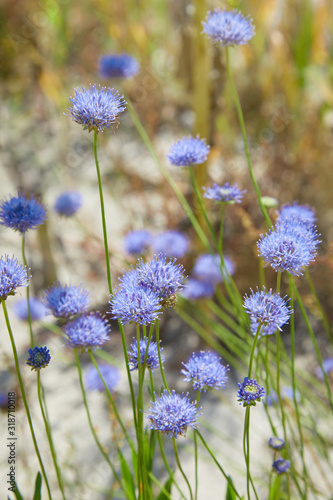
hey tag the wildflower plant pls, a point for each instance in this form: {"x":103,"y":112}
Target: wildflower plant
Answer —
{"x":67,"y":204}
{"x":39,"y":357}
{"x":21,"y":213}
{"x":65,"y":301}
{"x":188,"y":151}
{"x":228,"y":27}
{"x":205,"y":371}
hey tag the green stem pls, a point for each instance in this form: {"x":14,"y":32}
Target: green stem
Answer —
{"x":141,"y":454}
{"x":24,"y":398}
{"x":246,"y":148}
{"x":180,"y":467}
{"x":28,"y":294}
{"x":253,"y":348}
{"x":278,"y":385}
{"x":129,"y":377}
{"x":159,"y":354}
{"x":167,"y":466}
{"x":105,"y":235}
{"x":49,"y":436}
{"x":196,"y":454}
{"x":246,"y":450}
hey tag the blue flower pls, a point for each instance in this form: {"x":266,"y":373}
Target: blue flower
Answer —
{"x":21,"y":213}
{"x":281,"y":466}
{"x":118,"y":66}
{"x":195,"y":289}
{"x":137,"y":242}
{"x":224,"y":194}
{"x":267,"y":309}
{"x":164,"y":278}
{"x":188,"y":151}
{"x":328,"y":368}
{"x":87,"y":331}
{"x":110,"y":374}
{"x":68,"y":203}
{"x":205,"y":371}
{"x":228,"y":27}
{"x":12,"y":276}
{"x":290,"y":246}
{"x":152,"y":360}
{"x":37,"y":309}
{"x":170,"y":243}
{"x":296,"y":211}
{"x":276,"y":443}
{"x":39,"y":357}
{"x":133,"y":303}
{"x":208,"y":268}
{"x":66,"y":301}
{"x":172,"y":414}
{"x":250,"y":392}
{"x":96,"y":108}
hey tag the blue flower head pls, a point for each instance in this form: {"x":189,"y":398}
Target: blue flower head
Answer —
{"x":188,"y":151}
{"x":296,"y":211}
{"x":96,"y":108}
{"x":276,"y":443}
{"x":267,"y":309}
{"x":12,"y":276}
{"x":68,"y":204}
{"x":250,"y":392}
{"x":228,"y":27}
{"x":208,"y":268}
{"x":290,"y":246}
{"x":328,"y":368}
{"x":171,"y":243}
{"x":118,"y":66}
{"x":205,"y":371}
{"x":281,"y":466}
{"x":110,"y":374}
{"x":21,"y":213}
{"x":87,"y":331}
{"x":137,"y":242}
{"x":37,"y":309}
{"x":195,"y":289}
{"x":152,"y":361}
{"x":39,"y":357}
{"x":66,"y":301}
{"x":161,"y":276}
{"x":172,"y":414}
{"x":224,"y":194}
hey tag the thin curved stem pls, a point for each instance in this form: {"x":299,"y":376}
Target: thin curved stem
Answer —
{"x":167,"y":466}
{"x":180,"y":467}
{"x":159,"y":354}
{"x":28,"y":294}
{"x":253,"y":348}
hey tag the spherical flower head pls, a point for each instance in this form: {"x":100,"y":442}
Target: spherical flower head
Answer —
{"x":188,"y":151}
{"x":152,"y":360}
{"x":171,"y":243}
{"x":110,"y":374}
{"x":133,"y":303}
{"x":195,"y":289}
{"x":12,"y":276}
{"x":276,"y":443}
{"x":281,"y":466}
{"x":250,"y":392}
{"x":96,"y":108}
{"x":172,"y":414}
{"x":66,"y":301}
{"x":163,"y":277}
{"x":296,"y":211}
{"x":205,"y":371}
{"x":21,"y":213}
{"x":87,"y":331}
{"x":39,"y":357}
{"x":228,"y":27}
{"x":118,"y":66}
{"x":290,"y":246}
{"x":267,"y":309}
{"x":137,"y":242}
{"x":208,"y":268}
{"x":37,"y":309}
{"x":68,"y":204}
{"x":224,"y":194}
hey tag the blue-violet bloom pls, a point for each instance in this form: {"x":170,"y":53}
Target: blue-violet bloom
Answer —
{"x":281,"y":466}
{"x":39,"y":357}
{"x":224,"y":194}
{"x":87,"y":331}
{"x":137,"y":242}
{"x":118,"y":66}
{"x":12,"y":276}
{"x":152,"y":360}
{"x":66,"y":301}
{"x":133,"y":303}
{"x":21,"y":213}
{"x":110,"y":374}
{"x":208,"y":268}
{"x":328,"y":368}
{"x":296,"y":211}
{"x":68,"y":203}
{"x":37,"y":309}
{"x":196,"y":289}
{"x":205,"y":371}
{"x":96,"y":108}
{"x":172,"y":414}
{"x":188,"y":151}
{"x":171,"y":243}
{"x":250,"y":392}
{"x":276,"y":443}
{"x":228,"y":27}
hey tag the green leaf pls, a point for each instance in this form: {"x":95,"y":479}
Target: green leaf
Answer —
{"x":127,"y":477}
{"x":167,"y":486}
{"x":38,"y":487}
{"x":17,"y":494}
{"x":230,"y":493}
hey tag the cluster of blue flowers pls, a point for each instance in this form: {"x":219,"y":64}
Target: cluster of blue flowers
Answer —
{"x":224,"y":194}
{"x":21,"y":213}
{"x":67,"y":204}
{"x":12,"y":276}
{"x":110,"y":374}
{"x":118,"y":66}
{"x":171,"y":243}
{"x":228,"y":27}
{"x":151,"y":355}
{"x":205,"y":371}
{"x":188,"y":151}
